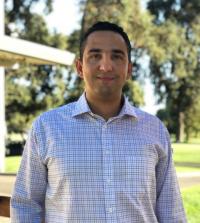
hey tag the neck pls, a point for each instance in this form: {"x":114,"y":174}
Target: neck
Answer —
{"x":106,"y":108}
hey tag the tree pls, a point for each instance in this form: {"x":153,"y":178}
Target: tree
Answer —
{"x":32,"y":89}
{"x":184,"y":12}
{"x":19,"y":11}
{"x":175,"y":68}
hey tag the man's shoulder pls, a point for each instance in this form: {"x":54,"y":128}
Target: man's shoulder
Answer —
{"x":152,"y":126}
{"x":146,"y":119}
{"x":145,"y":116}
{"x":55,"y":114}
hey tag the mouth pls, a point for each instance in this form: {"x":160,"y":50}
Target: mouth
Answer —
{"x":106,"y":78}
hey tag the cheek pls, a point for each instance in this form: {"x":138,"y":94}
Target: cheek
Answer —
{"x":87,"y":65}
{"x":88,"y":74}
{"x":123,"y":71}
{"x":89,"y":71}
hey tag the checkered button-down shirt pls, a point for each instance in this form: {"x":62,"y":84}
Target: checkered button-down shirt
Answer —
{"x":79,"y":168}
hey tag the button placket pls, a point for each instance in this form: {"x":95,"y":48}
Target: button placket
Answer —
{"x":108,"y":173}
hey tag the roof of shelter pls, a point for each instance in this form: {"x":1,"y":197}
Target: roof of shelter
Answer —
{"x":13,"y":50}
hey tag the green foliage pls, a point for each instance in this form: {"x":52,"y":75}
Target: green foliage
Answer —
{"x":182,"y":11}
{"x":31,"y":89}
{"x":20,"y":11}
{"x":134,"y":93}
{"x":174,"y":64}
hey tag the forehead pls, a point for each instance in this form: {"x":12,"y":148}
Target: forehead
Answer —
{"x":107,"y":40}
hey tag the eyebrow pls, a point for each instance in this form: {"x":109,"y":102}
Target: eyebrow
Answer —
{"x":94,"y":50}
{"x":118,"y":51}
{"x":97,"y":50}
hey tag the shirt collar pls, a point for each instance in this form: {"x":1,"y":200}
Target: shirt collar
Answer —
{"x":82,"y":107}
{"x":127,"y":109}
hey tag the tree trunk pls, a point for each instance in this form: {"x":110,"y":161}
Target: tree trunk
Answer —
{"x":181,"y":128}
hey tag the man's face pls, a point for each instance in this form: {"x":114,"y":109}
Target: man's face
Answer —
{"x":105,"y":66}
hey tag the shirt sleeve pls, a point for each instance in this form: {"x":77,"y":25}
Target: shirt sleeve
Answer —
{"x":169,"y":205}
{"x":27,"y":201}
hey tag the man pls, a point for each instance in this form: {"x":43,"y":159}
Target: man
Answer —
{"x":98,"y":159}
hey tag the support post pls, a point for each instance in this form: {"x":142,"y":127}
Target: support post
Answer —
{"x":2,"y":120}
{"x":2,"y":98}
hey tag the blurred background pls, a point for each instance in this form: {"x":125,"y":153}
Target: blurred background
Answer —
{"x":165,"y":38}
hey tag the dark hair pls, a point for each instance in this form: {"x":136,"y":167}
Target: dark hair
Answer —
{"x":104,"y":26}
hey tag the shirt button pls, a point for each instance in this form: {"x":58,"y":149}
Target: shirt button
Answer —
{"x":104,"y":126}
{"x":110,"y":210}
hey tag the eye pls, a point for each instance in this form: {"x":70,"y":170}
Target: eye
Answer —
{"x":95,"y":56}
{"x":117,"y":57}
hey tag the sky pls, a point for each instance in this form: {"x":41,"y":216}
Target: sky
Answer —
{"x":66,"y":17}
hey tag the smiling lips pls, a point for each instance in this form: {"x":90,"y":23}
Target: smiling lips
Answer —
{"x":106,"y":78}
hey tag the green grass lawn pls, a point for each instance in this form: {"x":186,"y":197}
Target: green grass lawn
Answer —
{"x":186,"y":152}
{"x":186,"y":157}
{"x":191,"y":200}
{"x":12,"y":164}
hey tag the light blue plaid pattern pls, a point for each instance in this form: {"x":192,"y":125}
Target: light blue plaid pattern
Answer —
{"x":78,"y":168}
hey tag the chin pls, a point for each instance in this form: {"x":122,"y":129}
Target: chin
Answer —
{"x":107,"y":93}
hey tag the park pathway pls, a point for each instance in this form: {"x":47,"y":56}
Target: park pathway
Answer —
{"x":188,"y":179}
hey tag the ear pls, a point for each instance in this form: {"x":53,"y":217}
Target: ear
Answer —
{"x":79,"y":68}
{"x":130,"y":66}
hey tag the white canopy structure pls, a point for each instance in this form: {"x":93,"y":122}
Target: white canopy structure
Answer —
{"x":12,"y":51}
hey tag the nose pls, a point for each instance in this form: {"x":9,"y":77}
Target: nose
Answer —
{"x":105,"y":64}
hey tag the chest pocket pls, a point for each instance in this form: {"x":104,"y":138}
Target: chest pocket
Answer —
{"x":140,"y":172}
{"x":137,"y":170}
